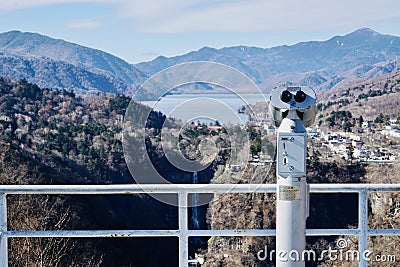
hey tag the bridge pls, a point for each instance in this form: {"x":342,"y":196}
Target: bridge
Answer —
{"x":183,"y":233}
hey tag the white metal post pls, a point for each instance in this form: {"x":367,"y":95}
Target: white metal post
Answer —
{"x":183,"y":229}
{"x":3,"y":231}
{"x":363,"y":227}
{"x":292,"y":192}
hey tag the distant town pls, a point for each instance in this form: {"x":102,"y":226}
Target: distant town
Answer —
{"x":367,"y":141}
{"x":359,"y":146}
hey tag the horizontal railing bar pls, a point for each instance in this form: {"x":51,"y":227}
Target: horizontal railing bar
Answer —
{"x":135,"y":188}
{"x":329,"y":232}
{"x":190,"y":188}
{"x":352,"y":188}
{"x":271,"y":232}
{"x":384,"y":232}
{"x":93,"y":233}
{"x":250,"y":232}
{"x":175,"y":233}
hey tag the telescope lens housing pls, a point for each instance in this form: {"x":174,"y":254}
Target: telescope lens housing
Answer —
{"x":300,"y":99}
{"x":300,"y":96}
{"x":286,"y":96}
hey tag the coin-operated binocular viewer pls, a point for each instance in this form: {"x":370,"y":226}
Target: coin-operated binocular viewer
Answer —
{"x":291,"y":109}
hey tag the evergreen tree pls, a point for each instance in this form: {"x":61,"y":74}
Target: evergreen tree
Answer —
{"x":360,"y":121}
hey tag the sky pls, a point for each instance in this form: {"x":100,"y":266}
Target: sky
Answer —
{"x":140,"y":30}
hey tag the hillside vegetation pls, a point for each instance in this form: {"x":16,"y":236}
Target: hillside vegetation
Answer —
{"x":364,"y":97}
{"x":55,"y":137}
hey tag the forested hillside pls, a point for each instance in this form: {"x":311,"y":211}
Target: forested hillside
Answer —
{"x":364,"y":97}
{"x":55,"y":137}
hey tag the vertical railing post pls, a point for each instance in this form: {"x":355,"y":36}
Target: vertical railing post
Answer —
{"x":363,"y":226}
{"x":3,"y":231}
{"x":183,"y":229}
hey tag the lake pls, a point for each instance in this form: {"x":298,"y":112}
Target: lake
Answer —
{"x":206,"y":108}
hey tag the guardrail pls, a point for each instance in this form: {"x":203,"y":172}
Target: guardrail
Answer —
{"x":183,"y":233}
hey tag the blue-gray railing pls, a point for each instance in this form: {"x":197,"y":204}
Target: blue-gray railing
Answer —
{"x":183,"y":233}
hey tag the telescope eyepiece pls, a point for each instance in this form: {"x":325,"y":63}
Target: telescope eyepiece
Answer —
{"x":286,"y":96}
{"x":300,"y":97}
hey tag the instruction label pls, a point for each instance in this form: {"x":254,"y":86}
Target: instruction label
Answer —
{"x":289,"y":192}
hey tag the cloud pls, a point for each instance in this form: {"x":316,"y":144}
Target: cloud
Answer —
{"x":189,"y":16}
{"x":84,"y":24}
{"x":180,"y":16}
{"x":23,"y":4}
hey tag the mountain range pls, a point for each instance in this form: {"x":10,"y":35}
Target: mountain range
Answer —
{"x":323,"y":65}
{"x":59,"y":64}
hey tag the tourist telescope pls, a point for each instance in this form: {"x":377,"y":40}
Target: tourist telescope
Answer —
{"x":291,"y":110}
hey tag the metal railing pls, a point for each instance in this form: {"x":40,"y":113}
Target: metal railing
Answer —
{"x":183,"y":233}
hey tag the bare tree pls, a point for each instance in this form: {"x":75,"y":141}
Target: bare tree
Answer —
{"x":44,"y":213}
